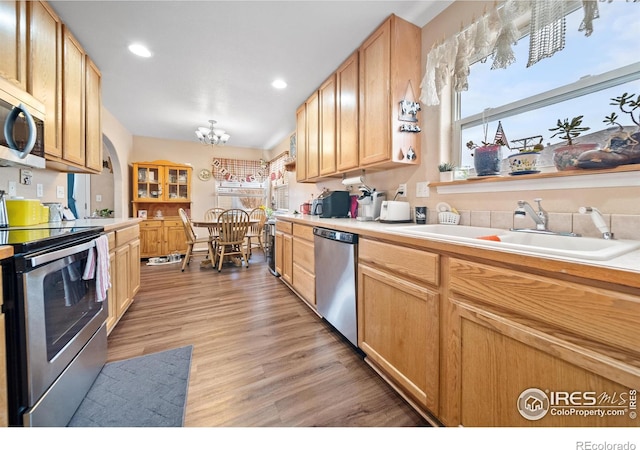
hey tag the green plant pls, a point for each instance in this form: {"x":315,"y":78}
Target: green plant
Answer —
{"x":627,"y":105}
{"x":104,"y":212}
{"x":446,"y":167}
{"x":567,"y":131}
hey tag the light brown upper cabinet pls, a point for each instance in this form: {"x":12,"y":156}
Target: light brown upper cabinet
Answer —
{"x":301,"y":143}
{"x":327,"y":127}
{"x":347,"y":114}
{"x":93,"y":128}
{"x":45,"y":75}
{"x":73,"y":108}
{"x":357,"y":122}
{"x":313,"y":136}
{"x":13,"y":53}
{"x":389,"y":73}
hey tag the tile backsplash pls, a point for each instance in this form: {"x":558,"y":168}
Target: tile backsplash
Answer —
{"x":623,"y":226}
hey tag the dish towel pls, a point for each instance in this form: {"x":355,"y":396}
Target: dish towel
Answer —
{"x":98,"y":266}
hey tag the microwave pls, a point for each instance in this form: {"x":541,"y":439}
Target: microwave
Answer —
{"x":21,"y":128}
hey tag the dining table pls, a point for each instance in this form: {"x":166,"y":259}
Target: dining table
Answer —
{"x":212,"y":226}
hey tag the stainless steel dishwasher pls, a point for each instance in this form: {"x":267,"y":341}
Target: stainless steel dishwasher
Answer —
{"x":335,"y":264}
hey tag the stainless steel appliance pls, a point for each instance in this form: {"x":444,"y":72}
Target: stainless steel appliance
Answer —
{"x":369,"y":204}
{"x":269,"y":240}
{"x":332,"y":204}
{"x":4,"y":217}
{"x":335,"y":264}
{"x":55,"y":326}
{"x":22,"y":121}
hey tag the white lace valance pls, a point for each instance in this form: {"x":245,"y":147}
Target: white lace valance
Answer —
{"x":495,"y":34}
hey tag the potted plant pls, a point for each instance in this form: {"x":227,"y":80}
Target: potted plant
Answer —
{"x":446,"y":171}
{"x":487,"y":158}
{"x":566,"y":156}
{"x":526,"y":160}
{"x":623,"y":146}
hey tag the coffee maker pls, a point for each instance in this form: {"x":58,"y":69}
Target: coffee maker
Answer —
{"x":369,"y":203}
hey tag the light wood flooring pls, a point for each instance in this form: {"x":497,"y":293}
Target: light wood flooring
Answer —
{"x":261,"y":357}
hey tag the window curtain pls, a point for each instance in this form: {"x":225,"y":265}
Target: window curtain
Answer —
{"x":494,"y":35}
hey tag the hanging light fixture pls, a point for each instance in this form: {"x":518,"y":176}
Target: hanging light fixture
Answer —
{"x":211,"y":135}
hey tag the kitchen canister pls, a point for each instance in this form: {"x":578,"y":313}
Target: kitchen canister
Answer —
{"x":22,"y":212}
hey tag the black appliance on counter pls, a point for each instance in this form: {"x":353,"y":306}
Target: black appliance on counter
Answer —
{"x":55,"y":324}
{"x":332,"y":204}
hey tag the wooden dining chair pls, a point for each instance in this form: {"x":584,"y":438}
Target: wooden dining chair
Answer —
{"x":193,"y":240}
{"x":254,"y":234}
{"x":211,"y":215}
{"x":233,"y":225}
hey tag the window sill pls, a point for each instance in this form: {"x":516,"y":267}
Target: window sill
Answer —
{"x":621,"y":176}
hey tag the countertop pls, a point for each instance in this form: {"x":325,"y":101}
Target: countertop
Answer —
{"x":623,"y":270}
{"x":6,"y":251}
{"x":108,"y":224}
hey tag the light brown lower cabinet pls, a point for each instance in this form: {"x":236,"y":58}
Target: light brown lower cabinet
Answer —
{"x":527,"y":350}
{"x":295,"y":259}
{"x":124,"y":257}
{"x":398,"y":319}
{"x":160,"y":237}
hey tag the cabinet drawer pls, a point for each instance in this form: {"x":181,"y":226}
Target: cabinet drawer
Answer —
{"x":303,"y":231}
{"x":304,"y":283}
{"x":587,"y":313}
{"x":127,"y":234}
{"x":285,"y":227}
{"x":172,"y":223}
{"x":303,"y":254}
{"x":151,"y":224}
{"x":408,"y":262}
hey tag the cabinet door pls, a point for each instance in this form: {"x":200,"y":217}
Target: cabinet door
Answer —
{"x":93,"y":141}
{"x":134,"y":275}
{"x":375,"y":108}
{"x":327,"y":148}
{"x":73,"y":99}
{"x":301,"y":143}
{"x":347,"y":114}
{"x":287,"y":258}
{"x":112,"y":319}
{"x":175,"y":239}
{"x":148,"y":183}
{"x":123,"y":291}
{"x":303,"y":269}
{"x":44,"y":70}
{"x":313,"y":136}
{"x":398,"y":330}
{"x":151,"y":238}
{"x":13,"y":65}
{"x":177,"y":185}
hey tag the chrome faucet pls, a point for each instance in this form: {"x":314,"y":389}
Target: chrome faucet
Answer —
{"x":541,"y":218}
{"x":598,"y":220}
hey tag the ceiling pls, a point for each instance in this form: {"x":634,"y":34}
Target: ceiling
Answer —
{"x":217,"y":59}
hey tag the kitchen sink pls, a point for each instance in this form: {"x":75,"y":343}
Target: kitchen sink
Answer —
{"x":575,"y":247}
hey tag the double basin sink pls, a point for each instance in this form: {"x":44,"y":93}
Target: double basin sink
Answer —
{"x":574,"y":247}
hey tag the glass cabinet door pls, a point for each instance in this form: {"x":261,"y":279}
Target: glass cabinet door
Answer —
{"x":178,"y":183}
{"x":149,"y":183}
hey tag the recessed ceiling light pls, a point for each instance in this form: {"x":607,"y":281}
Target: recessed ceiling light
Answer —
{"x":140,"y":50}
{"x":279,"y":84}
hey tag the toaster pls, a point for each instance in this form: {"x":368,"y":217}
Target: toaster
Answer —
{"x":395,"y":212}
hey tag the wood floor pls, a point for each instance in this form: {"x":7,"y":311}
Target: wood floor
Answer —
{"x":261,"y":357}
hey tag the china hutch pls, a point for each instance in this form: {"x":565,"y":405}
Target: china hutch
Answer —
{"x":160,"y":188}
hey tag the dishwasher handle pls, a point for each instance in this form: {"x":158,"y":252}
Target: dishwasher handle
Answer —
{"x":334,"y":235}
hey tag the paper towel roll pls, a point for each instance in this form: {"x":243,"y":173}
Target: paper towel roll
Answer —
{"x":353,"y":180}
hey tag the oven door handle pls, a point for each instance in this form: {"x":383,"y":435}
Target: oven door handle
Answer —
{"x":44,"y":258}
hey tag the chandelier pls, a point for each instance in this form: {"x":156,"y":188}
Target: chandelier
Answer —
{"x":211,"y":135}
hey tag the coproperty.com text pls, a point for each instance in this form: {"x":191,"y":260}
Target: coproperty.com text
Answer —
{"x":588,"y":445}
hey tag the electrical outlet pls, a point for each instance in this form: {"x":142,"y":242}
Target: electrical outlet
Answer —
{"x":13,"y":189}
{"x":98,"y":198}
{"x":59,"y":191}
{"x":422,"y":189}
{"x":39,"y":190}
{"x":402,"y":190}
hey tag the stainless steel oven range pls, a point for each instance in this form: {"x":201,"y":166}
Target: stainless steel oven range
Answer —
{"x":55,"y":325}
